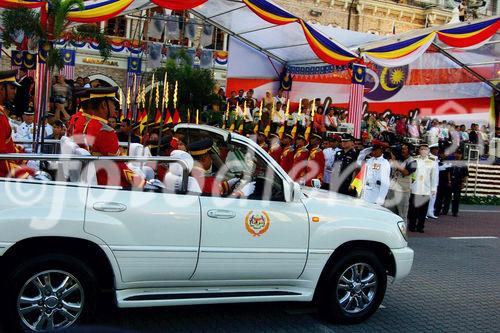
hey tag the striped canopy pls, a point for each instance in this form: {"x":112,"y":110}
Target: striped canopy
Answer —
{"x":289,"y":39}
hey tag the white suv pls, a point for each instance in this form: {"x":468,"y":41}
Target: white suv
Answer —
{"x":62,"y":243}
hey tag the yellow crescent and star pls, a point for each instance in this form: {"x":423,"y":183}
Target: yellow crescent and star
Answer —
{"x":397,"y":77}
{"x":358,"y":76}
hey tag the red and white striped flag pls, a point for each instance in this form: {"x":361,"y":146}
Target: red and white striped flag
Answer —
{"x":355,"y":114}
{"x":68,"y":72}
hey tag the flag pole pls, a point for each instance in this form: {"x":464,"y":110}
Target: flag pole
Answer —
{"x":164,"y":104}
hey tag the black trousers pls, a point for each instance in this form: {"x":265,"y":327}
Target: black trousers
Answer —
{"x":454,"y":197}
{"x":418,"y":211}
{"x":443,"y":194}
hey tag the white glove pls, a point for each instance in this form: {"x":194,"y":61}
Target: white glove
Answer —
{"x":154,"y":184}
{"x":233,"y":181}
{"x":380,"y":202}
{"x":248,"y":189}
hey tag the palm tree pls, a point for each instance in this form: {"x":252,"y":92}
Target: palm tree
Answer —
{"x":51,"y":27}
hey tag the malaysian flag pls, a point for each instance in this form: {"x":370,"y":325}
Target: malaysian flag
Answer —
{"x":356,"y":98}
{"x":69,"y":64}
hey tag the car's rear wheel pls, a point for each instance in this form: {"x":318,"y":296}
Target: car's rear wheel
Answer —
{"x":50,"y":292}
{"x":353,"y":288}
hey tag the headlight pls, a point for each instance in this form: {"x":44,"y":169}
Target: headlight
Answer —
{"x":402,"y":228}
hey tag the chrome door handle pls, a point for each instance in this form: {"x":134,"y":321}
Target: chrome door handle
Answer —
{"x":221,"y":214}
{"x":111,"y":207}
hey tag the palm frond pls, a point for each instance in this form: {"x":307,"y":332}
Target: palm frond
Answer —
{"x":55,"y":59}
{"x":93,"y":31}
{"x":60,"y":13}
{"x":20,"y":19}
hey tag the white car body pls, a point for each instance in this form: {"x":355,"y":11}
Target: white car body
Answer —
{"x":170,"y":249}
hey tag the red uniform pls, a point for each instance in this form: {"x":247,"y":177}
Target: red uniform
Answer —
{"x":72,"y":121}
{"x":299,"y":163}
{"x":209,"y":184}
{"x":275,"y":153}
{"x":10,"y":168}
{"x":315,"y":166}
{"x":102,"y":141}
{"x":286,"y":160}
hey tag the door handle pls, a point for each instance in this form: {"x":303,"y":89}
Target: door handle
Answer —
{"x":110,"y":207}
{"x":221,"y":214}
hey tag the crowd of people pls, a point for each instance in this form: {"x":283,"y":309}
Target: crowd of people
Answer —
{"x":413,"y":167}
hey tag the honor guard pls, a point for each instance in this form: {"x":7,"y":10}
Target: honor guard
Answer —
{"x":101,"y":140}
{"x":345,"y":166}
{"x":286,"y":160}
{"x":316,"y":160}
{"x":300,"y":159}
{"x":275,"y":148}
{"x":378,"y":175}
{"x":204,"y":175}
{"x":8,"y":168}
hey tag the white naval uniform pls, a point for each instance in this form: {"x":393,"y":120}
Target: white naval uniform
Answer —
{"x":329,"y":162}
{"x":432,"y":200}
{"x":25,"y":133}
{"x":425,"y":177}
{"x":377,"y":180}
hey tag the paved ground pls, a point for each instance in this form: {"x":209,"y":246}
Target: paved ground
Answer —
{"x":454,"y":287}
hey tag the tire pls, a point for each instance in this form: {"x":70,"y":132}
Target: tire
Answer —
{"x":365,"y":298}
{"x":63,"y":304}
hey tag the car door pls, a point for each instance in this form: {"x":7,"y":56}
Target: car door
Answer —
{"x":259,"y":237}
{"x":154,"y":236}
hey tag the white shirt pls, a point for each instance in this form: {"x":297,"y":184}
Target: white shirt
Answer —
{"x":25,"y":133}
{"x":279,"y":117}
{"x":281,"y":99}
{"x":330,"y":121}
{"x":377,"y":180}
{"x":329,"y":161}
{"x":49,"y":130}
{"x":425,"y":177}
{"x":433,"y":135}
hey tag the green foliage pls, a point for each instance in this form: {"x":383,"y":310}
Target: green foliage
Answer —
{"x":21,"y":19}
{"x":93,"y":31}
{"x":29,"y":21}
{"x":488,"y":200}
{"x":196,"y":86}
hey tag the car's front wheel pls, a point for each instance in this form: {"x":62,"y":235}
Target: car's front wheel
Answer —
{"x":353,"y":288}
{"x":50,"y":292}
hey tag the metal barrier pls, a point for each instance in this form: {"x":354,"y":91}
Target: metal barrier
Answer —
{"x":59,"y":158}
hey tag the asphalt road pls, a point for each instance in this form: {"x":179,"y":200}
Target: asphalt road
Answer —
{"x":454,"y":287}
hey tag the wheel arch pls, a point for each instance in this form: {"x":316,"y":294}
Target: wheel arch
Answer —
{"x":381,"y":250}
{"x":85,"y":250}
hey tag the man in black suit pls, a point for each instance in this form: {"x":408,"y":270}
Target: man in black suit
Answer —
{"x":23,"y":97}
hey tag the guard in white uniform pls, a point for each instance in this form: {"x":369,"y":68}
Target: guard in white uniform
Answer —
{"x":422,"y":187}
{"x":434,"y":148}
{"x":378,"y":175}
{"x":26,"y":130}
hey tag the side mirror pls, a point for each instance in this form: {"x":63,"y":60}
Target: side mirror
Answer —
{"x":316,"y":183}
{"x":297,"y":192}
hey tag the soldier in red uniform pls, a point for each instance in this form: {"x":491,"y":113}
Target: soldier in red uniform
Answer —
{"x":300,"y":158}
{"x":209,"y":184}
{"x":286,"y":160}
{"x":101,"y":139}
{"x":275,"y":149}
{"x":316,"y":161}
{"x":15,"y":169}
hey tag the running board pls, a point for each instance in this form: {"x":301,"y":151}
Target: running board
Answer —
{"x":158,"y":297}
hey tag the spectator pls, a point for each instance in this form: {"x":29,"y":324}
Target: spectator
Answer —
{"x":401,"y":128}
{"x":473,"y":135}
{"x":331,"y":120}
{"x":433,"y":133}
{"x":279,"y":97}
{"x":463,"y":134}
{"x":462,"y":8}
{"x":413,"y":129}
{"x":61,"y":95}
{"x":240,"y":98}
{"x":86,"y":82}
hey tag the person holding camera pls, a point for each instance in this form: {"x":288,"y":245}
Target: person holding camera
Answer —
{"x":403,"y":166}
